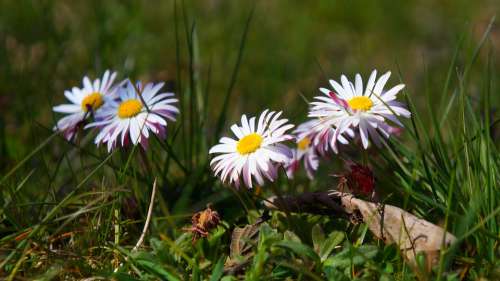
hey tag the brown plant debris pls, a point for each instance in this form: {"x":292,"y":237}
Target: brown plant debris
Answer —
{"x":202,"y":222}
{"x":389,"y":223}
{"x":240,"y":250}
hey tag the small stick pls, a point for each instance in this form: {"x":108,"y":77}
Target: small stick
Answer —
{"x":146,"y":224}
{"x":148,"y":219}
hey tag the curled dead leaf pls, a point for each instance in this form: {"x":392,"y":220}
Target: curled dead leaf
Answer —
{"x":391,"y":224}
{"x":240,"y":250}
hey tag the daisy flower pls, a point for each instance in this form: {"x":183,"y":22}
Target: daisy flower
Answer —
{"x":305,"y":150}
{"x":132,"y":116}
{"x":256,"y":152}
{"x":84,"y":102}
{"x":350,"y":108}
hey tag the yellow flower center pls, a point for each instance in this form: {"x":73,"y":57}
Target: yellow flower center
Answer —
{"x":303,"y":144}
{"x":249,"y":143}
{"x":360,"y":103}
{"x":92,"y":101}
{"x":129,"y":108}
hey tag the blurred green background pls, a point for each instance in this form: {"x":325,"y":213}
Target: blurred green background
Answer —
{"x":291,"y":49}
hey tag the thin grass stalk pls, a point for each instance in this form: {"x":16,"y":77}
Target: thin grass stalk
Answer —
{"x":451,"y":189}
{"x":223,"y":115}
{"x":148,"y":218}
{"x":28,"y":157}
{"x":179,"y":76}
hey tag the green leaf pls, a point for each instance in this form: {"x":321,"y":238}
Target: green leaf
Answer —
{"x":352,"y":256}
{"x":216,"y":235}
{"x":157,"y":269}
{"x":122,"y":276}
{"x":281,"y":273}
{"x":50,"y":274}
{"x":195,"y":274}
{"x":299,"y":248}
{"x":318,"y":237}
{"x":218,"y":269}
{"x":268,"y":236}
{"x":334,"y":239}
{"x":368,"y":251}
{"x":291,"y":236}
{"x":332,"y":274}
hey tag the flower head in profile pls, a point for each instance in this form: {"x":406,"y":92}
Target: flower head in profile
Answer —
{"x":256,"y":152}
{"x":84,"y":102}
{"x":202,"y":222}
{"x":351,"y":108}
{"x":358,"y":179}
{"x":320,"y":132}
{"x":137,"y":112}
{"x":305,"y":151}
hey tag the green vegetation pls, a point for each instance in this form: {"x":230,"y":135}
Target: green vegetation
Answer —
{"x":71,"y":210}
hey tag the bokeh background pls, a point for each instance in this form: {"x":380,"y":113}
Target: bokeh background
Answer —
{"x":292,"y":48}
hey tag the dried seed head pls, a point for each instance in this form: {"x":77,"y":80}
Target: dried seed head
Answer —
{"x":202,"y":222}
{"x":360,"y":179}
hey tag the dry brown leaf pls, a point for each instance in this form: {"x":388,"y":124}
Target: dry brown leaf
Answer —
{"x":241,"y":245}
{"x":394,"y":225}
{"x":240,"y":237}
{"x":389,"y":223}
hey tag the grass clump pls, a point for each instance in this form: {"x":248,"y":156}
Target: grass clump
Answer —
{"x":70,"y":210}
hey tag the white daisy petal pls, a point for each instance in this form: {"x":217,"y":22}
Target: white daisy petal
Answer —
{"x":104,"y":81}
{"x":371,"y":83}
{"x":97,"y":85}
{"x":251,"y":122}
{"x":359,"y":85}
{"x":391,"y":94}
{"x":244,"y":125}
{"x":79,"y":94}
{"x":338,"y":88}
{"x":363,"y":134}
{"x":67,"y":108}
{"x":87,"y":84}
{"x":260,"y":125}
{"x":381,"y":83}
{"x":347,"y":88}
{"x":227,"y":140}
{"x":237,"y":131}
{"x":325,"y":91}
{"x":134,"y":131}
{"x":72,"y":97}
{"x":222,"y":148}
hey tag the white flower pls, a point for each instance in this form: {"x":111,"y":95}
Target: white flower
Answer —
{"x":353,"y":107}
{"x":84,"y":102}
{"x":131,"y":117}
{"x":305,"y":150}
{"x":257,"y":151}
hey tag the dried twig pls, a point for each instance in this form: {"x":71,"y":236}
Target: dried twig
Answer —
{"x":148,"y":219}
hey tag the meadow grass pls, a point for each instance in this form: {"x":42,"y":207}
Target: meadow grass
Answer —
{"x":70,"y":210}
